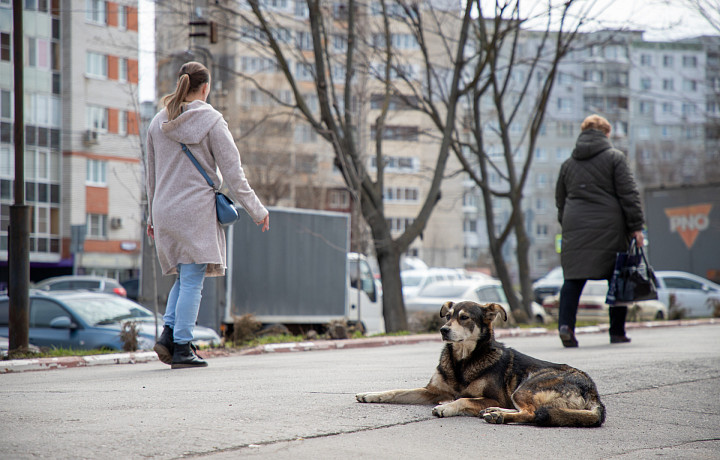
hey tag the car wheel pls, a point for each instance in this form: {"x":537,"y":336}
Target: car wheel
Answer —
{"x":659,"y":315}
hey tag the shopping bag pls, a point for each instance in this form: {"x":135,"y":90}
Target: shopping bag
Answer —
{"x":633,"y":278}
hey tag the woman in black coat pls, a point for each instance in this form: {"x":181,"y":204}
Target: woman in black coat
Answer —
{"x":600,"y":212}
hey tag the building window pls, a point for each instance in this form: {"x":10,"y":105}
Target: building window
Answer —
{"x":338,"y":199}
{"x":668,"y":61}
{"x":96,"y":226}
{"x":122,"y":122}
{"x":689,"y":61}
{"x":667,"y":107}
{"x":397,"y":164}
{"x":645,"y":83}
{"x":96,"y":118}
{"x":306,"y":163}
{"x":96,"y":65}
{"x":564,"y":105}
{"x":688,"y":109}
{"x":6,"y":109}
{"x":689,"y":85}
{"x":540,"y":154}
{"x":668,"y":84}
{"x":643,"y":132}
{"x":95,"y":11}
{"x":645,"y":107}
{"x":563,"y":153}
{"x":122,"y":17}
{"x":96,"y":173}
{"x":5,"y":47}
{"x":645,"y":60}
{"x":470,"y":225}
{"x":397,"y":133}
{"x":122,"y":69}
{"x":401,"y":194}
{"x":399,"y":224}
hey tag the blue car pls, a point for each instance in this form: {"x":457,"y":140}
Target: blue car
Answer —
{"x":90,"y":320}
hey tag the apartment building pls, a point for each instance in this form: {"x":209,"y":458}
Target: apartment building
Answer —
{"x":82,"y":157}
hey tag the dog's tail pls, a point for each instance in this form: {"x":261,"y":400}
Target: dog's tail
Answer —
{"x":556,"y":416}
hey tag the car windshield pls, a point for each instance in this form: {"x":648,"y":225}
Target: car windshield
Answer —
{"x":443,"y":290}
{"x":107,"y":309}
{"x":411,"y":280}
{"x":554,"y":274}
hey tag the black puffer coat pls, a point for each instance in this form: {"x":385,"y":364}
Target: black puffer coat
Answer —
{"x":598,"y":207}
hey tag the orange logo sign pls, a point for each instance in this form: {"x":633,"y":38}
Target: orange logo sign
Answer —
{"x":689,"y":221}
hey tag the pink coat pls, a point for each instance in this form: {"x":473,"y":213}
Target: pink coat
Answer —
{"x":181,"y":203}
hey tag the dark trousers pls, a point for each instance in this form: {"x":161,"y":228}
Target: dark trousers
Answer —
{"x":569,"y":299}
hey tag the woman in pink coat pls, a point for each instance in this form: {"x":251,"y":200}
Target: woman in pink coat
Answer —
{"x":182,"y":218}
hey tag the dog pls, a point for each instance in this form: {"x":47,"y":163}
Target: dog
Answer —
{"x":477,"y":376}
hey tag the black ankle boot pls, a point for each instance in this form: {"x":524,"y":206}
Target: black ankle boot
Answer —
{"x":185,"y":356}
{"x":164,"y":347}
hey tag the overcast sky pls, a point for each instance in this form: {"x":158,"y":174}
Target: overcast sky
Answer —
{"x":662,"y":20}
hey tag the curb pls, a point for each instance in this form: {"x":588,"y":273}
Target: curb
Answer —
{"x":43,"y":364}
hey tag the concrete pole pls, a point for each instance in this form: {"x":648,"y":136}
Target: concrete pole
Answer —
{"x":19,"y":247}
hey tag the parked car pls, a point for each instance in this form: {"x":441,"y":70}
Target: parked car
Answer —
{"x":592,"y":306}
{"x":84,"y":282}
{"x":89,"y":320}
{"x":477,"y":290}
{"x":548,"y":285}
{"x":132,"y":288}
{"x":414,"y":281}
{"x":694,"y":295}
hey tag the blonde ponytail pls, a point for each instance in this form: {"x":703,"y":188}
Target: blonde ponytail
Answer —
{"x":191,"y":76}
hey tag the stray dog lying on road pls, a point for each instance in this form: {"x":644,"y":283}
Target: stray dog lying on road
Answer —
{"x":478,"y":376}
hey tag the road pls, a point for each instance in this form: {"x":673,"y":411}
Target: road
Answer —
{"x":662,"y":394}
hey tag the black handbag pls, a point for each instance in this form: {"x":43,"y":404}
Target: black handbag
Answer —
{"x":633,"y":278}
{"x":227,"y":213}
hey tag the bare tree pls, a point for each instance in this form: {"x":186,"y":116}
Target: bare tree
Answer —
{"x":708,"y":9}
{"x":338,"y":118}
{"x":505,"y":89}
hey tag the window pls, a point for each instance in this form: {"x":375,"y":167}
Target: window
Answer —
{"x":689,"y":61}
{"x":667,"y":107}
{"x":6,"y":109}
{"x":668,"y":61}
{"x":688,"y":109}
{"x":304,"y":41}
{"x":682,"y":283}
{"x":122,"y":17}
{"x":122,"y":69}
{"x":96,"y":118}
{"x":490,"y":294}
{"x":306,"y":163}
{"x":595,"y":76}
{"x":397,"y":133}
{"x":470,"y":225}
{"x":339,"y":199}
{"x":645,"y":83}
{"x":540,"y":154}
{"x":95,"y":11}
{"x":401,"y":194}
{"x":43,"y":312}
{"x":541,"y":229}
{"x":96,"y":226}
{"x":122,"y":122}
{"x":96,"y":172}
{"x":564,"y":105}
{"x":96,"y":65}
{"x":645,"y":107}
{"x":563,"y":153}
{"x":689,"y":85}
{"x":643,"y":132}
{"x":5,"y":47}
{"x":645,"y":60}
{"x":397,"y":164}
{"x":304,"y":72}
{"x":668,"y":84}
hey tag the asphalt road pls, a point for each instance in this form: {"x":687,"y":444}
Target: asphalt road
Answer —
{"x":662,"y":394}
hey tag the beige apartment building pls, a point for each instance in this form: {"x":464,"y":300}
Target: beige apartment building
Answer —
{"x":82,"y":153}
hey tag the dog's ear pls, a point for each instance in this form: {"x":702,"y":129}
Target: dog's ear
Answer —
{"x":445,"y":308}
{"x":492,"y":310}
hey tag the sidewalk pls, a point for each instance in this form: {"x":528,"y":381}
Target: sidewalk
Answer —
{"x":41,"y":364}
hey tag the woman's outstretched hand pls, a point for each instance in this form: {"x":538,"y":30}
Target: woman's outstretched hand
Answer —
{"x":265,"y":223}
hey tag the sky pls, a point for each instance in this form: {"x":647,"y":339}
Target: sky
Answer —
{"x":662,"y":20}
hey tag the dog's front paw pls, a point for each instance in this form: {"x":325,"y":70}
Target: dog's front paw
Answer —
{"x":373,"y":397}
{"x":445,"y":410}
{"x":493,"y":415}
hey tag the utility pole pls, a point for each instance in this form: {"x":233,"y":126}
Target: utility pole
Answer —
{"x":19,"y":247}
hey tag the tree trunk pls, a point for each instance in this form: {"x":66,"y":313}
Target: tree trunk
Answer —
{"x":393,"y":305}
{"x":523,"y":248}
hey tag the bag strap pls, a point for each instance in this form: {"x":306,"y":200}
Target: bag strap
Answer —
{"x":197,"y":165}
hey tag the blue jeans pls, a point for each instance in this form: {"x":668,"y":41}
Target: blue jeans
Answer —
{"x":183,"y":302}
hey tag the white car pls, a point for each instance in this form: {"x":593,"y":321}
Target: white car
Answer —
{"x":481,"y":291}
{"x":592,"y":306}
{"x":414,"y":281}
{"x":694,"y":295}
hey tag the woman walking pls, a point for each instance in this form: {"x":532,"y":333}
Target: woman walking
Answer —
{"x":600,"y":212}
{"x":182,"y":218}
